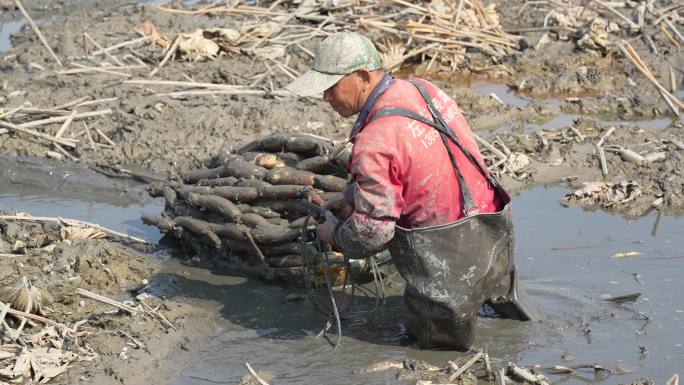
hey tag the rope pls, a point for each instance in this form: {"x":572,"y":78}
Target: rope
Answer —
{"x":332,"y":310}
{"x":375,"y":280}
{"x":326,"y":273}
{"x":328,"y":282}
{"x":379,"y":275}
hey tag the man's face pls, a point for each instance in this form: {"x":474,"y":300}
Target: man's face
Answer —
{"x":344,"y":95}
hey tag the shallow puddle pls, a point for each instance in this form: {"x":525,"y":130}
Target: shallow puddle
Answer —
{"x":503,"y":92}
{"x":564,"y":120}
{"x":510,"y":97}
{"x":564,"y":255}
{"x":42,"y":188}
{"x":120,"y":217}
{"x":7,"y":28}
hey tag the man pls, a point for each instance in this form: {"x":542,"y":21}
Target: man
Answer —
{"x":420,"y":188}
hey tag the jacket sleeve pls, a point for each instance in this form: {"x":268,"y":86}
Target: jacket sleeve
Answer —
{"x":377,"y":196}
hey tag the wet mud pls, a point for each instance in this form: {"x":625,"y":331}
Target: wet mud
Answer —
{"x":59,"y":259}
{"x":551,"y":102}
{"x":569,"y":266}
{"x":113,"y":346}
{"x":537,"y":89}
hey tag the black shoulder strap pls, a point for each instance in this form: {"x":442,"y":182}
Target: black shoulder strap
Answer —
{"x":446,"y":133}
{"x":470,"y":208}
{"x":438,"y":118}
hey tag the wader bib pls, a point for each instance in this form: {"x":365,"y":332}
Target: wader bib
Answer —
{"x":451,"y":270}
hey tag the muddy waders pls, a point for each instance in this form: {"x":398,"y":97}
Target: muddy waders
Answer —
{"x":451,"y":270}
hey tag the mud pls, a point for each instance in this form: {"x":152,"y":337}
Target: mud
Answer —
{"x":566,"y":258}
{"x":124,"y":345}
{"x":164,"y":134}
{"x":547,"y":88}
{"x":112,"y":267}
{"x":564,"y":253}
{"x":562,"y":156}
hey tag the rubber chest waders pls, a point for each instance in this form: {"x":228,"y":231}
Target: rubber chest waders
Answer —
{"x":452,"y":269}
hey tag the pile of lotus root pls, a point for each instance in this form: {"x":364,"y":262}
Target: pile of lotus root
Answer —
{"x":254,"y":209}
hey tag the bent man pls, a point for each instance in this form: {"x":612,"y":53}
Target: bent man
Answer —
{"x":421,"y":189}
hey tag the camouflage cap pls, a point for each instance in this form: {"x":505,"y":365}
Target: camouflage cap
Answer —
{"x":338,"y":55}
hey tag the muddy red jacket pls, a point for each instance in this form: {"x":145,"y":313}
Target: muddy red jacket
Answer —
{"x":402,"y":174}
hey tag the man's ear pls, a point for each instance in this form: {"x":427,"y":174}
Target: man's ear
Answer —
{"x":365,"y":75}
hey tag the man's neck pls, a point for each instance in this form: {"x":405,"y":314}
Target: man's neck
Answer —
{"x":375,"y":79}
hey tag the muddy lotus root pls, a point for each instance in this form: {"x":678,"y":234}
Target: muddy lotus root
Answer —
{"x":250,"y":209}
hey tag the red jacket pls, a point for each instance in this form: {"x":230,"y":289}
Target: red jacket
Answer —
{"x":403,"y":175}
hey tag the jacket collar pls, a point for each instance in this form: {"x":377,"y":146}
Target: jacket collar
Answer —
{"x":380,"y":89}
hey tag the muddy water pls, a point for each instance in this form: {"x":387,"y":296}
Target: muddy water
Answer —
{"x":564,"y":255}
{"x":113,"y":215}
{"x":510,"y":97}
{"x":505,"y":93}
{"x":42,"y":188}
{"x":566,"y":120}
{"x":8,"y":26}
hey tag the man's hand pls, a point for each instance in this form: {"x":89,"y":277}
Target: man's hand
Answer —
{"x":326,"y":230}
{"x":340,"y":206}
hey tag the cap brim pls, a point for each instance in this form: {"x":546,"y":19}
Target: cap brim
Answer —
{"x":312,"y":83}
